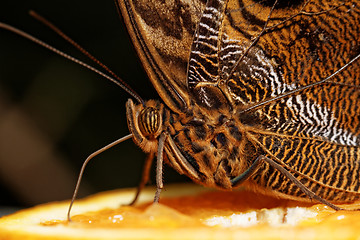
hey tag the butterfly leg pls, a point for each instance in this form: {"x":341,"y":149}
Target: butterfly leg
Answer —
{"x":303,"y":188}
{"x":247,"y":173}
{"x":144,"y":177}
{"x":159,"y":167}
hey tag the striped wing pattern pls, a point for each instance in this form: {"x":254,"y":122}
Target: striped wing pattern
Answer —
{"x":162,"y":33}
{"x":315,"y":132}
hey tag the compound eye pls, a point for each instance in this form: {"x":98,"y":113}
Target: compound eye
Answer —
{"x":149,"y":121}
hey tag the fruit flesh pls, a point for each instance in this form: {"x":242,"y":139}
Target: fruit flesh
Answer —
{"x":185,"y":211}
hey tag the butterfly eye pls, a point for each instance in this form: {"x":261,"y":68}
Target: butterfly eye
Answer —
{"x":149,"y":121}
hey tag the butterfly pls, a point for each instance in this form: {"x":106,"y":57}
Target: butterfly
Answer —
{"x":257,"y":93}
{"x":260,"y":93}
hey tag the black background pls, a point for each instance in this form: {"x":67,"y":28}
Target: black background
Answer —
{"x":70,"y":109}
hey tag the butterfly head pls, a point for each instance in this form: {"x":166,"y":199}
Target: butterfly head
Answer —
{"x":145,"y":122}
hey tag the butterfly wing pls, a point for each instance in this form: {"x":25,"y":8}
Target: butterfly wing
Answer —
{"x":162,"y":33}
{"x":265,"y":62}
{"x":320,"y":38}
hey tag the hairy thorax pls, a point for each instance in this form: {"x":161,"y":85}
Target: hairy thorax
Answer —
{"x":215,"y":144}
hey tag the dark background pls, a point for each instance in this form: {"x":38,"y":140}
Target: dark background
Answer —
{"x":54,"y":113}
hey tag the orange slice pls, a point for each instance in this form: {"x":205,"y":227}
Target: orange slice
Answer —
{"x":186,"y":212}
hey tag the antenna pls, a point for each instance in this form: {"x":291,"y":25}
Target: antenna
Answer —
{"x":117,"y":80}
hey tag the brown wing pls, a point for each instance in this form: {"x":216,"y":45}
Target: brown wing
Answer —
{"x":302,"y":44}
{"x":322,"y":37}
{"x":264,"y":62}
{"x":162,"y":32}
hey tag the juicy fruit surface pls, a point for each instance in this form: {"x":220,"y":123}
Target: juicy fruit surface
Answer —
{"x":190,"y":209}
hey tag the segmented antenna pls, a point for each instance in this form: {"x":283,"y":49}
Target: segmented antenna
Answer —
{"x":115,"y":79}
